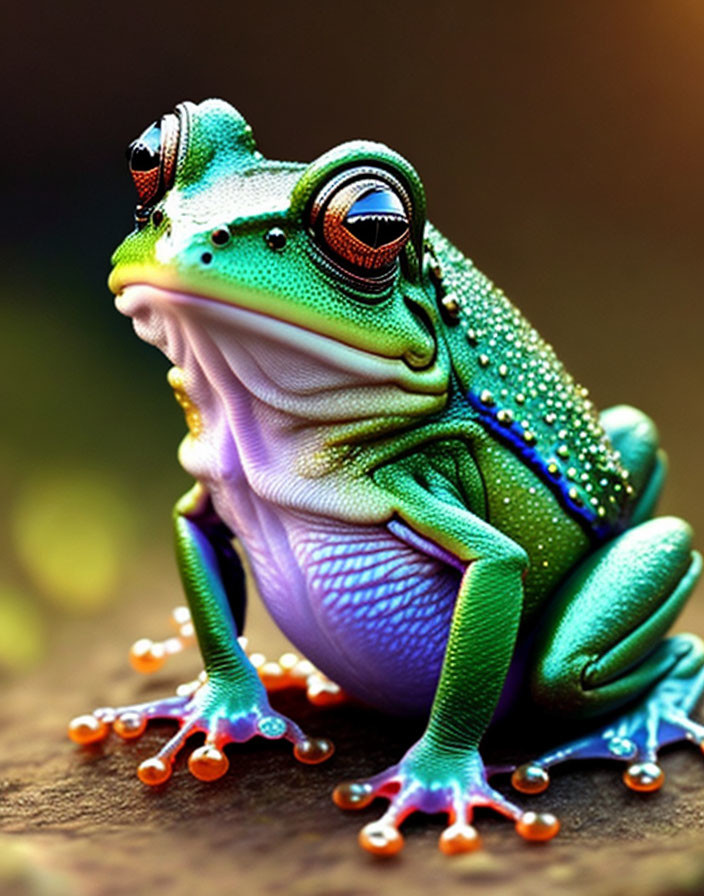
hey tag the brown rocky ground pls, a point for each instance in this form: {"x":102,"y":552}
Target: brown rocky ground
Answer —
{"x":79,"y":821}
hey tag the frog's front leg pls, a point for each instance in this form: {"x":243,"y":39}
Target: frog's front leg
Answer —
{"x":229,"y":703}
{"x":443,"y":771}
{"x":602,"y":649}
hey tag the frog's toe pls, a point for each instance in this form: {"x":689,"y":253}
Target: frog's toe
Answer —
{"x":644,"y":777}
{"x":653,"y":729}
{"x":383,"y":837}
{"x":459,"y":837}
{"x":538,"y":827}
{"x":290,"y":671}
{"x":147,"y":656}
{"x":312,"y":750}
{"x":88,"y":729}
{"x":530,"y":778}
{"x":359,"y":794}
{"x":128,"y":722}
{"x":209,"y":762}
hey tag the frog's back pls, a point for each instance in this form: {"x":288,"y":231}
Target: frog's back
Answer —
{"x":519,"y":389}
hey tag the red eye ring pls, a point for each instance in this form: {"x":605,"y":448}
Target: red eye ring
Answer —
{"x":388,"y":225}
{"x":146,"y":183}
{"x":152,"y":159}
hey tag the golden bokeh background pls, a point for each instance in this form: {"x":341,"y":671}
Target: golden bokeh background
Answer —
{"x":561,"y":146}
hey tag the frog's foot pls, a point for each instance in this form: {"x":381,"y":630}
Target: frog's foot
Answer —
{"x":661,"y":718}
{"x":224,"y":711}
{"x":427,"y":781}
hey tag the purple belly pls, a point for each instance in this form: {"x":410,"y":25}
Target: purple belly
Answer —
{"x":369,"y":610}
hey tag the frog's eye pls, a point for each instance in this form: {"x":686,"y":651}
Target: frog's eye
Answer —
{"x":363,"y":218}
{"x":152,"y":159}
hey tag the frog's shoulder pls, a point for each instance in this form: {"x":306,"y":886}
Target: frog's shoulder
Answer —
{"x":521,"y":391}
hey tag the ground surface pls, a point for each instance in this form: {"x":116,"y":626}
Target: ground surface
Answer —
{"x":79,"y":821}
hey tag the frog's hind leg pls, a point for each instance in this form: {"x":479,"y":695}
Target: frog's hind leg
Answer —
{"x":636,"y":736}
{"x":602,"y":649}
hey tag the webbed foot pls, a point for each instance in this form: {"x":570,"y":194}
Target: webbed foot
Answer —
{"x":225,"y":711}
{"x":426,"y":780}
{"x":661,"y":718}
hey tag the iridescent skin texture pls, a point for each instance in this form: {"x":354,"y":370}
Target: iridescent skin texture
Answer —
{"x":433,"y":511}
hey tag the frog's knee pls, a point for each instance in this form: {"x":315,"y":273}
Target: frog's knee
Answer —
{"x":655,"y":554}
{"x":634,"y":435}
{"x":628,"y":426}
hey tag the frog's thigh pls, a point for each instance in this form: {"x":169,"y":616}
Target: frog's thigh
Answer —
{"x":600,"y":643}
{"x":635,"y":436}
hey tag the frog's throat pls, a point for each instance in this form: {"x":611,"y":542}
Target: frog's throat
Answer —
{"x":276,"y":404}
{"x":142,"y":302}
{"x":249,"y":377}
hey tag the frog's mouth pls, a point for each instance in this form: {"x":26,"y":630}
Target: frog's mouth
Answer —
{"x":169,"y":318}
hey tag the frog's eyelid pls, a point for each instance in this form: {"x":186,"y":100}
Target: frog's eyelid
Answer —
{"x":169,"y":149}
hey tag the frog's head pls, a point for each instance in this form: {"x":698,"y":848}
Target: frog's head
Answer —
{"x":334,"y":247}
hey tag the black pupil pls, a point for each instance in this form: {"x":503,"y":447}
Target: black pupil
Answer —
{"x":143,"y":153}
{"x":377,"y":218}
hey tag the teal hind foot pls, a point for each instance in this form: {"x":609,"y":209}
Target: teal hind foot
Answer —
{"x":663,"y":717}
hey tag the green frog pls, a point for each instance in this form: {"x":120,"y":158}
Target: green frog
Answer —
{"x":433,"y":510}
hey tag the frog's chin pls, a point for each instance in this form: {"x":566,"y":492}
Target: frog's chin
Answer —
{"x":160,"y":314}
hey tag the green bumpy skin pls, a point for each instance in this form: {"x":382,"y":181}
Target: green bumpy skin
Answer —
{"x":432,"y":508}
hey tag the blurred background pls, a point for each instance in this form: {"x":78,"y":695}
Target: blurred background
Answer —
{"x":561,"y":146}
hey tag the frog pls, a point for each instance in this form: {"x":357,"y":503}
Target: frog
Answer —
{"x":431,"y":508}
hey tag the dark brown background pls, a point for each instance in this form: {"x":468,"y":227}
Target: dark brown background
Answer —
{"x":561,"y":147}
